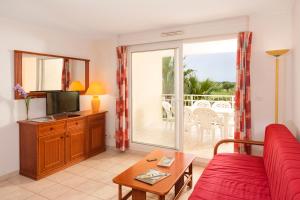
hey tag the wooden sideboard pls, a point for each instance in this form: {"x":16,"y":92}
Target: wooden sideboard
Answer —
{"x":47,"y":147}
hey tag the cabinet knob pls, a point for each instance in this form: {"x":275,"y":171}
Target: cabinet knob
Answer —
{"x":76,"y":123}
{"x":62,"y":137}
{"x":51,"y":128}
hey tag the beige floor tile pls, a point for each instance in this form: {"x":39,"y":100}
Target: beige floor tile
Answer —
{"x":20,"y":180}
{"x":77,"y":169}
{"x":89,"y":186}
{"x":72,"y":195}
{"x":106,"y":192}
{"x":74,"y":181}
{"x":7,"y":187}
{"x":54,"y":191}
{"x":36,"y":197}
{"x":19,"y":194}
{"x":60,"y":176}
{"x":38,"y":186}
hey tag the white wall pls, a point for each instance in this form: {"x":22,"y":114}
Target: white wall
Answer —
{"x":106,"y":60}
{"x":296,"y":67}
{"x":270,"y":31}
{"x":14,"y":35}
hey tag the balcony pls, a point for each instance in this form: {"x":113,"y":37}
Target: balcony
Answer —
{"x":207,"y":119}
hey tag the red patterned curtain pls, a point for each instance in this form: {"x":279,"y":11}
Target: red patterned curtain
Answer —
{"x":65,"y":78}
{"x":242,"y":94}
{"x":122,"y":139}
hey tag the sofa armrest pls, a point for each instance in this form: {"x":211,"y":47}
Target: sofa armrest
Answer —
{"x":251,"y":142}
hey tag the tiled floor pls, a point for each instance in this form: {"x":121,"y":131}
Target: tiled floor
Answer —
{"x":88,"y":180}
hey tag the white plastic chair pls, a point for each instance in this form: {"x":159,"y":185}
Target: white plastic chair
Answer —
{"x":207,"y":120}
{"x":201,"y":104}
{"x":169,"y":111}
{"x":221,"y":105}
{"x":188,"y":119}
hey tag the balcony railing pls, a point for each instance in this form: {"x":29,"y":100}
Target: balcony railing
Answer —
{"x":189,"y":99}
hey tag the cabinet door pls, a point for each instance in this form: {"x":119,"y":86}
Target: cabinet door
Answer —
{"x":51,"y":152}
{"x":96,"y":135}
{"x":75,"y":145}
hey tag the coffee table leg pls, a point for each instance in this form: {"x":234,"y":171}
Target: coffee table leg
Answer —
{"x":179,"y":184}
{"x":120,"y":192}
{"x":190,"y":184}
{"x":138,"y":195}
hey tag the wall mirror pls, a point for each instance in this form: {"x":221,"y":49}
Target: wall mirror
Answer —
{"x":38,"y":73}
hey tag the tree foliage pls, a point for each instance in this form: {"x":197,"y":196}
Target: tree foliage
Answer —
{"x":191,"y":83}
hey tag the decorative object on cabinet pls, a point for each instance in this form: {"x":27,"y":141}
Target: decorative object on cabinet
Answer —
{"x":32,"y":72}
{"x":76,"y":86}
{"x":24,"y":95}
{"x":47,"y":147}
{"x":95,"y":89}
{"x":277,"y":54}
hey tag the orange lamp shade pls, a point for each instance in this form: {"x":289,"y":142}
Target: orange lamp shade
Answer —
{"x":95,"y":89}
{"x":76,"y":86}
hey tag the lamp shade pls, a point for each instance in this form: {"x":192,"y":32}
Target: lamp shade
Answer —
{"x":76,"y":86}
{"x":95,"y":89}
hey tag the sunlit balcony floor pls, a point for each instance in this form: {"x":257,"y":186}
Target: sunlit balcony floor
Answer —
{"x":164,"y":135}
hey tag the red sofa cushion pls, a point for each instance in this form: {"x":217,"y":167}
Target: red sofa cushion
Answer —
{"x":282,"y":162}
{"x":233,"y":176}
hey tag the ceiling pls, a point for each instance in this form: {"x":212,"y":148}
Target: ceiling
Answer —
{"x":98,"y":18}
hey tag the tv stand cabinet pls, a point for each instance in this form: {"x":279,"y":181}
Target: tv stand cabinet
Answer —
{"x":47,"y":147}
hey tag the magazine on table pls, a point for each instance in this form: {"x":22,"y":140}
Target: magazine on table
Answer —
{"x":152,"y":176}
{"x":165,"y":161}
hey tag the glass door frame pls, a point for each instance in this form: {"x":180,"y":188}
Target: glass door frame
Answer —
{"x":178,"y":85}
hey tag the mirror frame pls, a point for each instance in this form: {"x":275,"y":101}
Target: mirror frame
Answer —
{"x":40,"y":94}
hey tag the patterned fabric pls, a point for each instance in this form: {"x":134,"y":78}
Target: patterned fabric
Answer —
{"x":65,"y":78}
{"x":242,"y":93}
{"x":122,"y":140}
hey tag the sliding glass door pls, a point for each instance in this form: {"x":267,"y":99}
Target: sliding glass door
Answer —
{"x":182,"y":94}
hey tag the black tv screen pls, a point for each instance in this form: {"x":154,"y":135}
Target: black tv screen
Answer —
{"x":61,"y":102}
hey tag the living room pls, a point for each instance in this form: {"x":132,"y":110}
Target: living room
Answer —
{"x":132,"y":39}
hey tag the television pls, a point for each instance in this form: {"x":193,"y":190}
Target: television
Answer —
{"x":62,"y":102}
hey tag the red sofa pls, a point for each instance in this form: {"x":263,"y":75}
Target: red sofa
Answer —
{"x":274,"y":176}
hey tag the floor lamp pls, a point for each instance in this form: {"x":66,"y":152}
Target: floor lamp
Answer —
{"x":277,"y":54}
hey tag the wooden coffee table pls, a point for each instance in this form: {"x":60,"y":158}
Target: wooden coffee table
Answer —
{"x":181,"y":175}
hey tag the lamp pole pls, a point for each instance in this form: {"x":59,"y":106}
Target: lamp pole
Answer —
{"x":277,"y":54}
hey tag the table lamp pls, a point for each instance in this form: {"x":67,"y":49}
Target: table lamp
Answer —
{"x":277,"y":54}
{"x":76,"y":86}
{"x":95,"y":89}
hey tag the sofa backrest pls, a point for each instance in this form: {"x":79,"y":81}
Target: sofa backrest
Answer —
{"x":282,"y":163}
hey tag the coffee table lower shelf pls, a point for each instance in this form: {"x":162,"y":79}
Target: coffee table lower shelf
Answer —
{"x":185,"y":180}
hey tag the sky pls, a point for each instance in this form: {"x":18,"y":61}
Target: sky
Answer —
{"x":215,"y":60}
{"x":217,"y":66}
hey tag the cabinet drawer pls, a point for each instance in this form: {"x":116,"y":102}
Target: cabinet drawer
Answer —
{"x":78,"y":124}
{"x":52,"y":128}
